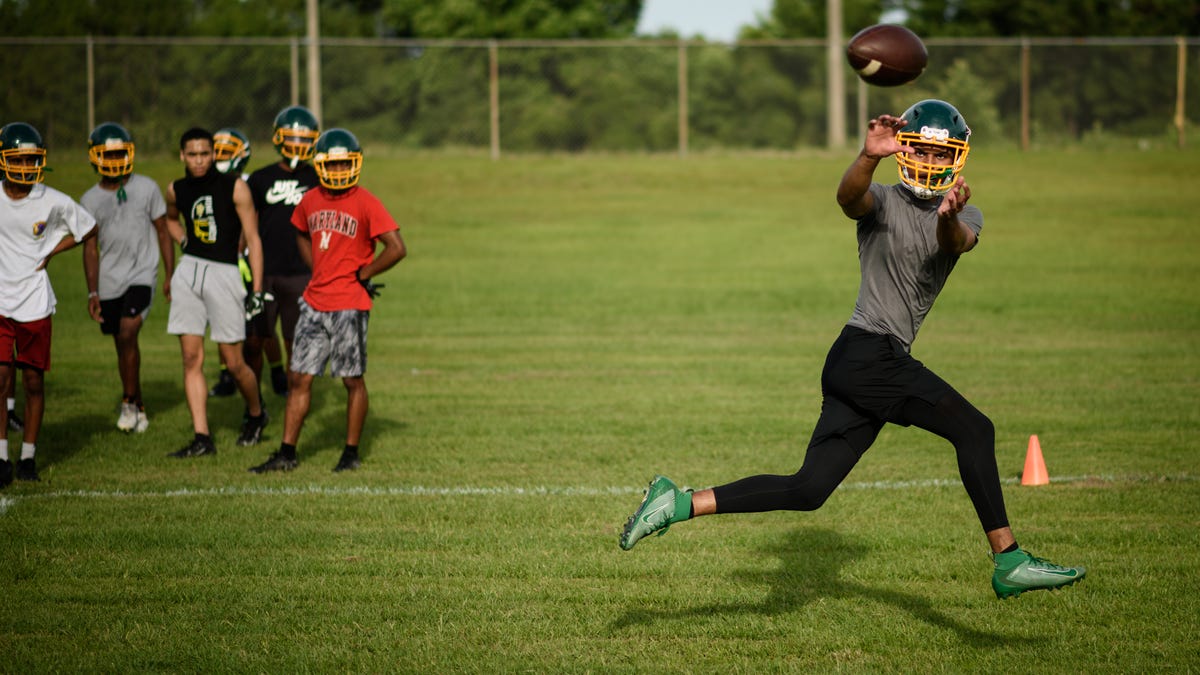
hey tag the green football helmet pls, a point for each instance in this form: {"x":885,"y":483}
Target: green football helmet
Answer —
{"x":111,"y":149}
{"x":933,"y":123}
{"x":231,"y":150}
{"x":296,"y":129}
{"x":338,"y":159}
{"x":21,"y":140}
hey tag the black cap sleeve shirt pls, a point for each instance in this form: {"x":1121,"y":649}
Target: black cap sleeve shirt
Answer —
{"x":210,"y":221}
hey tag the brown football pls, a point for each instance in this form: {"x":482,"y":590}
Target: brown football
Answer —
{"x":886,"y":55}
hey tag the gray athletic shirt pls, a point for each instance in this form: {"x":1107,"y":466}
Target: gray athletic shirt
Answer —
{"x":126,"y":235}
{"x":902,"y":269}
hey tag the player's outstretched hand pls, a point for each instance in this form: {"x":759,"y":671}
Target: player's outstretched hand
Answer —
{"x":955,"y":199}
{"x":256,"y":302}
{"x":881,"y":137}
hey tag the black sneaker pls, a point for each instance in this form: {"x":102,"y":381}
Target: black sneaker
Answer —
{"x":197,"y":448}
{"x":27,"y":469}
{"x":279,"y":381}
{"x":15,"y":423}
{"x":276,"y":462}
{"x":225,"y":386}
{"x":6,"y":472}
{"x":348,"y":462}
{"x":252,"y":429}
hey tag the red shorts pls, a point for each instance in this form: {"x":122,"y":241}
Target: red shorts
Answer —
{"x":26,"y":343}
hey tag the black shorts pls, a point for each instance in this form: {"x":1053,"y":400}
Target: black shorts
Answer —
{"x":135,"y":302}
{"x":867,"y":379}
{"x":285,"y":308}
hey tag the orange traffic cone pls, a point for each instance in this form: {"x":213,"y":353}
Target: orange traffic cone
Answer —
{"x":1035,"y":465}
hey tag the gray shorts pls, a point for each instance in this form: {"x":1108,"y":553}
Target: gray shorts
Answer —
{"x":207,"y":294}
{"x":335,"y":338}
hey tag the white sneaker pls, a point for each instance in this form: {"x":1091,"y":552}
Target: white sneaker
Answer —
{"x":129,"y":416}
{"x":142,"y":422}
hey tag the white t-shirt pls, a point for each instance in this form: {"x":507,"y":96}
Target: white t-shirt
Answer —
{"x":127,"y":239}
{"x":30,"y":228}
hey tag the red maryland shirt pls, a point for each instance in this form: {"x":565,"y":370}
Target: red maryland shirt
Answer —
{"x":343,"y":227}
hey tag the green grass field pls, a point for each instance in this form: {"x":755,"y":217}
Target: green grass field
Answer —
{"x":566,"y":327}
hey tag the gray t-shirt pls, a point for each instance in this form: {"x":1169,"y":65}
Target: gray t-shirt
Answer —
{"x":902,"y":269}
{"x":126,"y":235}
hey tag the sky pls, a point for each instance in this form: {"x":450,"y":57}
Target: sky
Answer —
{"x":717,"y":20}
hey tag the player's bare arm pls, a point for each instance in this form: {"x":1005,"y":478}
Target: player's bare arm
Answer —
{"x":393,"y":252}
{"x":167,"y":249}
{"x":954,"y":236}
{"x":67,"y":242}
{"x":853,"y":194}
{"x":244,"y":203}
{"x":304,"y":247}
{"x":174,"y":228}
{"x":91,"y":273}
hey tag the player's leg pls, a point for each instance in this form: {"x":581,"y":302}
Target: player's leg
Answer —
{"x":6,"y":380}
{"x":255,"y":419}
{"x":288,"y":291}
{"x":973,"y":437}
{"x":135,"y":306}
{"x":312,"y":350}
{"x":842,"y":434}
{"x":191,"y":349}
{"x":349,"y":362}
{"x":356,"y":417}
{"x":6,"y":383}
{"x":35,"y":407}
{"x":14,"y":422}
{"x":827,"y":462}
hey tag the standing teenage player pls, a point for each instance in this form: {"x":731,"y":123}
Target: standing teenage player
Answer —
{"x":208,"y":212}
{"x":277,"y":188}
{"x":910,"y":235}
{"x":121,"y":262}
{"x":339,"y":226}
{"x":36,"y":223}
{"x":231,"y":153}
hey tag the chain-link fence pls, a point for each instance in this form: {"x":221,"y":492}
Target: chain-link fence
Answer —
{"x":592,"y":96}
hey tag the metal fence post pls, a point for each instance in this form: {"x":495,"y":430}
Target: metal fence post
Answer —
{"x":494,"y":96}
{"x":91,"y":83}
{"x":682,"y":87}
{"x":1024,"y":94}
{"x":294,"y":45}
{"x":1180,"y":88}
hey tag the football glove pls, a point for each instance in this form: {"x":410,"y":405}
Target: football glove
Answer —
{"x":371,"y":288}
{"x":256,"y":302}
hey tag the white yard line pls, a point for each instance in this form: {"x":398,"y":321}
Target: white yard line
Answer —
{"x":9,"y":501}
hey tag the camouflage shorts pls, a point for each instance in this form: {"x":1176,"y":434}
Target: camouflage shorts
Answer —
{"x":338,"y":339}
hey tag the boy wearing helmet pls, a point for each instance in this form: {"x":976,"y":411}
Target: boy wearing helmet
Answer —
{"x":910,"y":235}
{"x":277,"y":188}
{"x":36,"y":223}
{"x":339,"y":227}
{"x":121,"y":262}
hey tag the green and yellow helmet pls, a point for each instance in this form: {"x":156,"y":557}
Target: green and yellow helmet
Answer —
{"x":338,"y":159}
{"x":21,"y":140}
{"x":933,"y":123}
{"x":296,"y":130}
{"x":111,"y":150}
{"x":231,"y":150}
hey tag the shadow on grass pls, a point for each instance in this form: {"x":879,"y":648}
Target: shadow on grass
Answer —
{"x":811,"y":564}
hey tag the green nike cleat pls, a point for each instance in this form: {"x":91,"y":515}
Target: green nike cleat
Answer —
{"x":1019,"y":571}
{"x":663,"y":504}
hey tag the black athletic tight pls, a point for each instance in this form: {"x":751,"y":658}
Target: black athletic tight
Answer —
{"x":828,"y":462}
